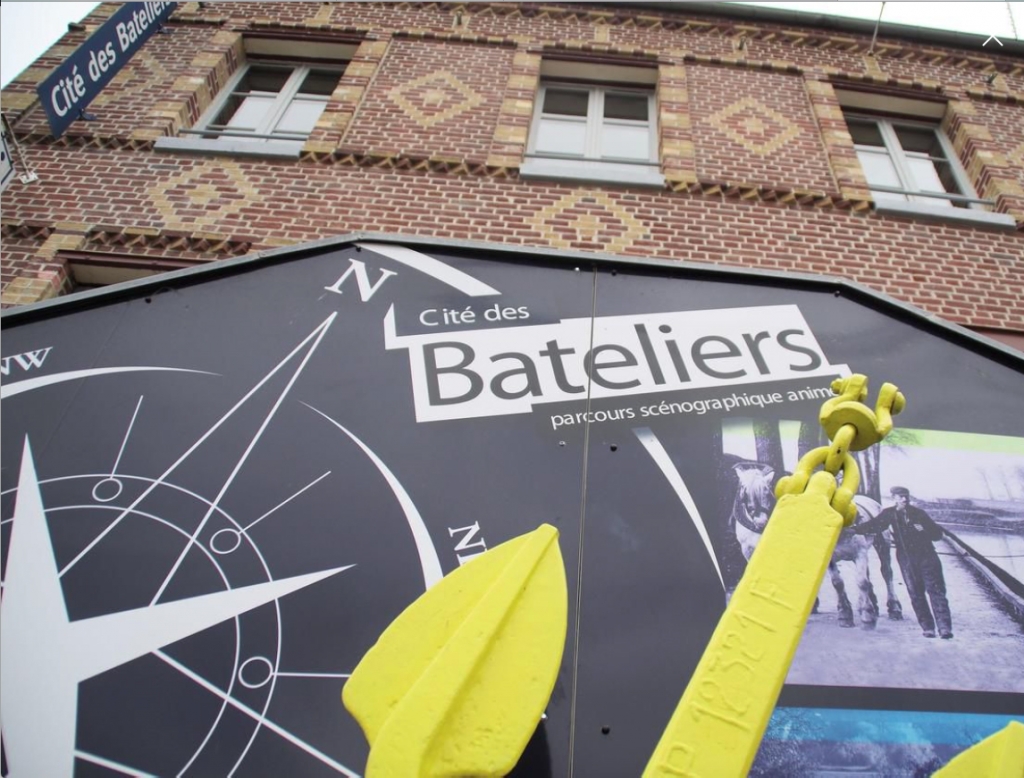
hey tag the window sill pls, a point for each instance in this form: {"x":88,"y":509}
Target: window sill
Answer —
{"x":592,"y":171}
{"x":961,"y":216}
{"x":235,"y":148}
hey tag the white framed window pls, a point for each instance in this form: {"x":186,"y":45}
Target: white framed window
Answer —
{"x":910,"y":161}
{"x":270,"y":101}
{"x":605,"y":133}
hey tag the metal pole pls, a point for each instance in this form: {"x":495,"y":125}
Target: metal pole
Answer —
{"x":874,"y":35}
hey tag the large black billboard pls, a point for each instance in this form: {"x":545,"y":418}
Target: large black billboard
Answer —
{"x":219,"y":487}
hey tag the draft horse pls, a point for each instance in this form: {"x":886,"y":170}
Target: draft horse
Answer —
{"x":753,"y":506}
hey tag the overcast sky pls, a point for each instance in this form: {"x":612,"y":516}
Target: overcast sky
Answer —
{"x":27,"y":29}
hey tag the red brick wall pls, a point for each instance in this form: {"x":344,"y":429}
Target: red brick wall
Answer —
{"x":674,"y":40}
{"x":756,"y":128}
{"x":999,"y":165}
{"x":433,"y":98}
{"x":955,"y":272}
{"x":534,"y":24}
{"x":376,"y":164}
{"x":18,"y":248}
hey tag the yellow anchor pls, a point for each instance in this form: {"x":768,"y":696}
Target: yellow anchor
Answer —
{"x":442,"y":693}
{"x":460,"y":680}
{"x":718,"y":725}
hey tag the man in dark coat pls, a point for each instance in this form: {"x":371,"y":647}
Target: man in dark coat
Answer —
{"x":914,"y":532}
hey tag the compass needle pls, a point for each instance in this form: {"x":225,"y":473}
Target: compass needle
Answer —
{"x":310,"y":343}
{"x":457,"y":684}
{"x":316,"y":336}
{"x":107,"y":641}
{"x":40,"y":696}
{"x":42,"y":667}
{"x":1000,"y":755}
{"x":67,"y":639}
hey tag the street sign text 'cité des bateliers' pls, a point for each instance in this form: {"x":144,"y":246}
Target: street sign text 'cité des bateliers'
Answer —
{"x":81,"y":77}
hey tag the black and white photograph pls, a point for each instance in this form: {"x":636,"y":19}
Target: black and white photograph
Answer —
{"x":925,"y":590}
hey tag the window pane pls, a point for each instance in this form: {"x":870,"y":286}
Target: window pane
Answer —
{"x":566,"y":102}
{"x":921,"y":139}
{"x":926,"y":175}
{"x":625,"y":107}
{"x":320,"y":82}
{"x":263,"y":79}
{"x":301,"y":116}
{"x":865,"y":133}
{"x":949,"y":182}
{"x":625,"y":142}
{"x":880,"y":171}
{"x":561,"y":137}
{"x":248,"y":108}
{"x":245,"y":115}
{"x":926,"y":179}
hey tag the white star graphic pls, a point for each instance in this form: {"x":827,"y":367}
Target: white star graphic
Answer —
{"x":45,"y":655}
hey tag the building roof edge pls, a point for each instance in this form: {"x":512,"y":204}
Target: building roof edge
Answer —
{"x":856,"y":292}
{"x":960,"y":40}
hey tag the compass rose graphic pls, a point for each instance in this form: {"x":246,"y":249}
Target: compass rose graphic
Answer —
{"x":216,"y":609}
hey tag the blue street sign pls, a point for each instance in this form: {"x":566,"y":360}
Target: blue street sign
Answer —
{"x":71,"y":87}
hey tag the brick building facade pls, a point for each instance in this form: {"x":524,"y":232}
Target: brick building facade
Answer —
{"x":760,"y":130}
{"x":644,"y":409}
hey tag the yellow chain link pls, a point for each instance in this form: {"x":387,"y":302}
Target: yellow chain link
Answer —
{"x":851,"y":426}
{"x":842,"y":500}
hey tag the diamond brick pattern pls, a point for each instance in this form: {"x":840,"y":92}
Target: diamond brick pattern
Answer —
{"x":754,"y":126}
{"x":435,"y":98}
{"x":429,"y":126}
{"x":587,"y":220}
{"x":202,"y":196}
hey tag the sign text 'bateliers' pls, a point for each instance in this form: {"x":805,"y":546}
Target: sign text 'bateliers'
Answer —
{"x":71,"y":87}
{"x":492,"y":372}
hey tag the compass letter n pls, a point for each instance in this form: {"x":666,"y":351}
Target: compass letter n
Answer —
{"x":366,"y":289}
{"x":464,"y":544}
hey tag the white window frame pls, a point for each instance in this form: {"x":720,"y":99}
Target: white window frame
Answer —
{"x":283,"y":99}
{"x":589,"y":165}
{"x":893,"y":149}
{"x":262,"y":141}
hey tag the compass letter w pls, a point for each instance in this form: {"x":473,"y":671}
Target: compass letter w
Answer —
{"x":26,"y":361}
{"x":366,"y":289}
